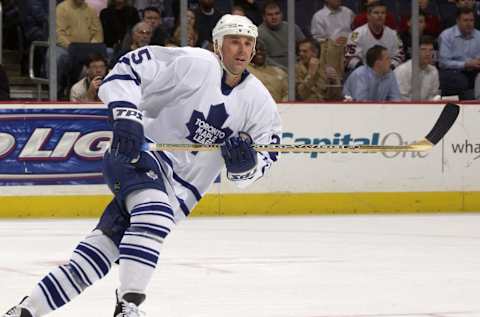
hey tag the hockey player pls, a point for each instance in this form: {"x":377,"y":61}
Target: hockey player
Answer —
{"x":165,"y":95}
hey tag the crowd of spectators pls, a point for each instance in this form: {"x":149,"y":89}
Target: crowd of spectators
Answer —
{"x":346,"y":49}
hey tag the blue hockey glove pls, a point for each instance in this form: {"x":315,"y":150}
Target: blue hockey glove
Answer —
{"x":128,"y":134}
{"x":240,"y":157}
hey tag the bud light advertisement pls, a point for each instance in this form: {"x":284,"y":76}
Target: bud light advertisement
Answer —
{"x":53,"y":146}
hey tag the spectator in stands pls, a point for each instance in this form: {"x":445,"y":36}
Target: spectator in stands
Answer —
{"x":165,"y":7}
{"x":374,"y":81}
{"x":315,"y":80}
{"x":251,"y":9}
{"x":449,"y":16}
{"x":375,"y":32}
{"x":429,"y":81}
{"x":152,"y":16}
{"x":4,"y":85}
{"x":273,"y":32}
{"x":206,"y":17}
{"x":86,"y":89}
{"x":406,"y":36}
{"x":362,"y":17}
{"x":192,"y":34}
{"x":117,"y":19}
{"x":141,"y":35}
{"x":333,"y":22}
{"x":76,"y":23}
{"x":191,"y":18}
{"x":190,"y":21}
{"x":432,"y":20}
{"x":192,"y":37}
{"x":459,"y":56}
{"x":274,"y":78}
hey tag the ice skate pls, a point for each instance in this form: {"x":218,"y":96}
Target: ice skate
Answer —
{"x":18,"y":311}
{"x":127,"y":306}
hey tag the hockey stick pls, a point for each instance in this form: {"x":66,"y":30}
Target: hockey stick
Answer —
{"x":444,"y":123}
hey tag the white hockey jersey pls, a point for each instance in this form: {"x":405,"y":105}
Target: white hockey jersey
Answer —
{"x":183,"y":97}
{"x":361,"y":39}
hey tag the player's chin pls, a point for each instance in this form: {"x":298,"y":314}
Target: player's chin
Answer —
{"x":239,"y":67}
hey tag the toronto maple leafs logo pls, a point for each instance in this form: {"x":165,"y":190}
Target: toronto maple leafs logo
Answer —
{"x":209,"y":131}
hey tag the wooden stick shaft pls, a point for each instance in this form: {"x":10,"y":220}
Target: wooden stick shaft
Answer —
{"x":419,"y":146}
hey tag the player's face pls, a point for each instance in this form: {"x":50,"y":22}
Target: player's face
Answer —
{"x":377,"y":15}
{"x":237,"y":51}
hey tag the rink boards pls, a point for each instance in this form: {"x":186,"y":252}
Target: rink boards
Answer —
{"x":50,"y":163}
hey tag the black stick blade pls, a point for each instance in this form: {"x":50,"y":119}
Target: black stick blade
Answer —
{"x":444,"y":123}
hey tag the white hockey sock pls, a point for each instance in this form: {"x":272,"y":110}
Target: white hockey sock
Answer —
{"x":91,"y":260}
{"x":151,"y":221}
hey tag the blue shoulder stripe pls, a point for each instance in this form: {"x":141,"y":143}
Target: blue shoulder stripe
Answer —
{"x":122,"y":77}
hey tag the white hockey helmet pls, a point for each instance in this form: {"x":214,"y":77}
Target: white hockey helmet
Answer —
{"x":232,"y":25}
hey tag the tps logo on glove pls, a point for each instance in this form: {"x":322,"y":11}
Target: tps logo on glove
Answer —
{"x":127,"y":113}
{"x":128,"y":134}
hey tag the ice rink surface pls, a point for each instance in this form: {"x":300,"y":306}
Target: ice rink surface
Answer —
{"x":312,"y":266}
